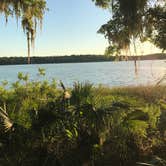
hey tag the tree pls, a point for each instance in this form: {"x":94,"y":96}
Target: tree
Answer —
{"x":156,"y":18}
{"x":30,"y":11}
{"x":33,"y":12}
{"x":134,"y":19}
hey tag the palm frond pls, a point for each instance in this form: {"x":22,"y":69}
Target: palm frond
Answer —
{"x":7,"y":123}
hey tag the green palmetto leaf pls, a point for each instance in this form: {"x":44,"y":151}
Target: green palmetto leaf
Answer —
{"x":145,"y":164}
{"x":6,"y":120}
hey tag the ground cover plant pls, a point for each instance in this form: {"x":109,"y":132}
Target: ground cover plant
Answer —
{"x":46,"y":124}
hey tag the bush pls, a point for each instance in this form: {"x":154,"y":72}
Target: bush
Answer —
{"x":96,"y":126}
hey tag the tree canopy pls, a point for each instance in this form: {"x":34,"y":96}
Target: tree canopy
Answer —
{"x":134,"y":19}
{"x":130,"y":20}
{"x":30,"y":12}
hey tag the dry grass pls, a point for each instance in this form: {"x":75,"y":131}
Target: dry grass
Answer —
{"x":148,"y":93}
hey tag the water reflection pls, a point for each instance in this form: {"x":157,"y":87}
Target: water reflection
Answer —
{"x":108,"y":73}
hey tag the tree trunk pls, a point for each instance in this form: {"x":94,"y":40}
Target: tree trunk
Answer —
{"x":29,"y":47}
{"x":136,"y":66}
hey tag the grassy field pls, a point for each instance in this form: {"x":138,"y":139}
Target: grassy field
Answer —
{"x":42,"y":124}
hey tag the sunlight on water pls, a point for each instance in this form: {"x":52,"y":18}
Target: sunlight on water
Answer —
{"x":107,"y":73}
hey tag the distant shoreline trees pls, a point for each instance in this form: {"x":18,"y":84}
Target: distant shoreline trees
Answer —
{"x":75,"y":59}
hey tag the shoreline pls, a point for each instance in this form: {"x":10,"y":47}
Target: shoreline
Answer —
{"x":77,"y":59}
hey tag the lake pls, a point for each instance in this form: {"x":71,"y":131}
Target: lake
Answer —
{"x":107,"y":73}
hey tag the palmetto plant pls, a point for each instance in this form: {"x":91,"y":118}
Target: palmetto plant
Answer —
{"x":8,"y":124}
{"x":100,"y":126}
{"x":81,"y":93}
{"x":155,"y":161}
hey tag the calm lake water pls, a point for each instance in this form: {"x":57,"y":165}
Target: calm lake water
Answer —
{"x":107,"y":73}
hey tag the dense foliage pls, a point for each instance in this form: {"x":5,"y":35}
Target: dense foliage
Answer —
{"x":75,"y":59}
{"x":132,"y":20}
{"x":56,"y":59}
{"x":42,"y":126}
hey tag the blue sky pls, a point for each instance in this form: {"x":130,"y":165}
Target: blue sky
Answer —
{"x":69,"y":27}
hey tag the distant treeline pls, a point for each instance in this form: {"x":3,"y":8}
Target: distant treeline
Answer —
{"x":55,"y":59}
{"x":74,"y":59}
{"x":159,"y":56}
